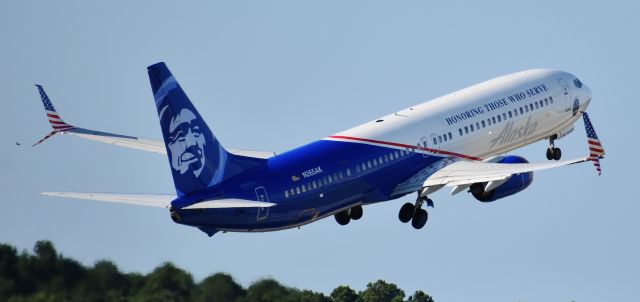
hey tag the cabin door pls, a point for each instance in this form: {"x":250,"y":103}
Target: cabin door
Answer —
{"x":566,"y":93}
{"x":261,"y":195}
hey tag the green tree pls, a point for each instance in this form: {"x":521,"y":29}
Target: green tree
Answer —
{"x":344,"y":293}
{"x":269,"y":290}
{"x":45,"y":275}
{"x":218,"y":288}
{"x":311,"y":296}
{"x":104,"y":282}
{"x":166,"y":283}
{"x":420,"y":296}
{"x":8,"y":272}
{"x":381,"y":291}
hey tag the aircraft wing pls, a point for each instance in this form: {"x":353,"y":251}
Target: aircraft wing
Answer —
{"x":462,"y":174}
{"x":132,"y":142}
{"x":161,"y":200}
{"x":149,"y":145}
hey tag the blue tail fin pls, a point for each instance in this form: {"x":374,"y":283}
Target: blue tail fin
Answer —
{"x":196,"y":157}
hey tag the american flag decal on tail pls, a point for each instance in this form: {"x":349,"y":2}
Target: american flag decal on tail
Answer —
{"x":596,"y":152}
{"x":54,"y":118}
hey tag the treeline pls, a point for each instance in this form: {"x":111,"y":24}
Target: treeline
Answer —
{"x":45,"y":275}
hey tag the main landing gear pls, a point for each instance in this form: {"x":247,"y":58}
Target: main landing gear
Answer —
{"x":415,"y":213}
{"x":345,"y":216}
{"x":553,"y":153}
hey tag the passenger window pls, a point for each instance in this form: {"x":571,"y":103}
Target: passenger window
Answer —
{"x":483,"y":124}
{"x":324,"y":179}
{"x":460,"y":130}
{"x":330,"y":179}
{"x":297,"y":190}
{"x":380,"y":160}
{"x":471,"y":126}
{"x":499,"y":120}
{"x":521,"y":111}
{"x":314,"y":184}
{"x":444,"y":137}
{"x":551,"y":100}
{"x":357,"y":168}
{"x":510,"y":116}
{"x":526,"y":108}
{"x":286,"y":194}
{"x":466,"y":130}
{"x":375,"y":162}
{"x":477,"y":125}
{"x":435,"y":141}
{"x":309,"y":186}
{"x":515,"y":112}
{"x":450,"y":136}
{"x":292,"y":192}
{"x":340,"y":174}
{"x":304,"y":189}
{"x":504,"y":116}
{"x":396,"y":153}
{"x":369,"y":164}
{"x":493,"y":118}
{"x":546,"y":101}
{"x":531,"y":107}
{"x":439,"y":139}
{"x":536,"y":105}
{"x":541,"y":103}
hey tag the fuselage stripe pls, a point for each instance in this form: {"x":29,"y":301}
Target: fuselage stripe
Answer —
{"x":405,"y":146}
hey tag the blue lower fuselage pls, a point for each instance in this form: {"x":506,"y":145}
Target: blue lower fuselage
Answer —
{"x":307,"y":183}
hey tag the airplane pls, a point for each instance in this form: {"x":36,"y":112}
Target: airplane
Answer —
{"x":459,"y":140}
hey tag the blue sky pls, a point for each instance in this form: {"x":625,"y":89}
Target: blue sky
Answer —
{"x":275,"y":75}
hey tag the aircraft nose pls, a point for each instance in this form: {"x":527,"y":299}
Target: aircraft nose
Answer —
{"x":586,"y":99}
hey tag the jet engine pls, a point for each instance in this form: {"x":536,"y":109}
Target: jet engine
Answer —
{"x":513,"y":185}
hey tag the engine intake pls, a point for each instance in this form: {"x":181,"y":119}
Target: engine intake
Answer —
{"x":513,"y":185}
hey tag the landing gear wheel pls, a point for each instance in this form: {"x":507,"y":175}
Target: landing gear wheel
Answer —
{"x":406,"y":212}
{"x":553,"y":153}
{"x":356,"y":212}
{"x":550,"y":153}
{"x":419,"y":219}
{"x":342,"y":217}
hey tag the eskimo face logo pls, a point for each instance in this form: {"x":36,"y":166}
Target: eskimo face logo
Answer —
{"x":186,"y":143}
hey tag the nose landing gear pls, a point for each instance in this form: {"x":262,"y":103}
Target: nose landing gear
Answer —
{"x":553,"y":153}
{"x":415,"y":213}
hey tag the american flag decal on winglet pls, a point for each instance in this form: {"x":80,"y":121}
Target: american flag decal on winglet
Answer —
{"x":596,"y":152}
{"x":54,"y":118}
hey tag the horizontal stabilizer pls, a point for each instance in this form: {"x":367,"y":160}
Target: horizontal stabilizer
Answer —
{"x":161,"y":200}
{"x":229,"y":203}
{"x":149,"y":200}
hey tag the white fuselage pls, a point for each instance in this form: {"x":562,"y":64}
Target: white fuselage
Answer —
{"x":486,"y":119}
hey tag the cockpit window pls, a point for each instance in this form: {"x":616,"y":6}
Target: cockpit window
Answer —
{"x":577,"y":83}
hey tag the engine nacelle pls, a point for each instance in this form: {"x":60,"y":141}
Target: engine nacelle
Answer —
{"x":515,"y":184}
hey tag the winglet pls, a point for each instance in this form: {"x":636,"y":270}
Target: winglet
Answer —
{"x":596,"y":151}
{"x":54,"y":118}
